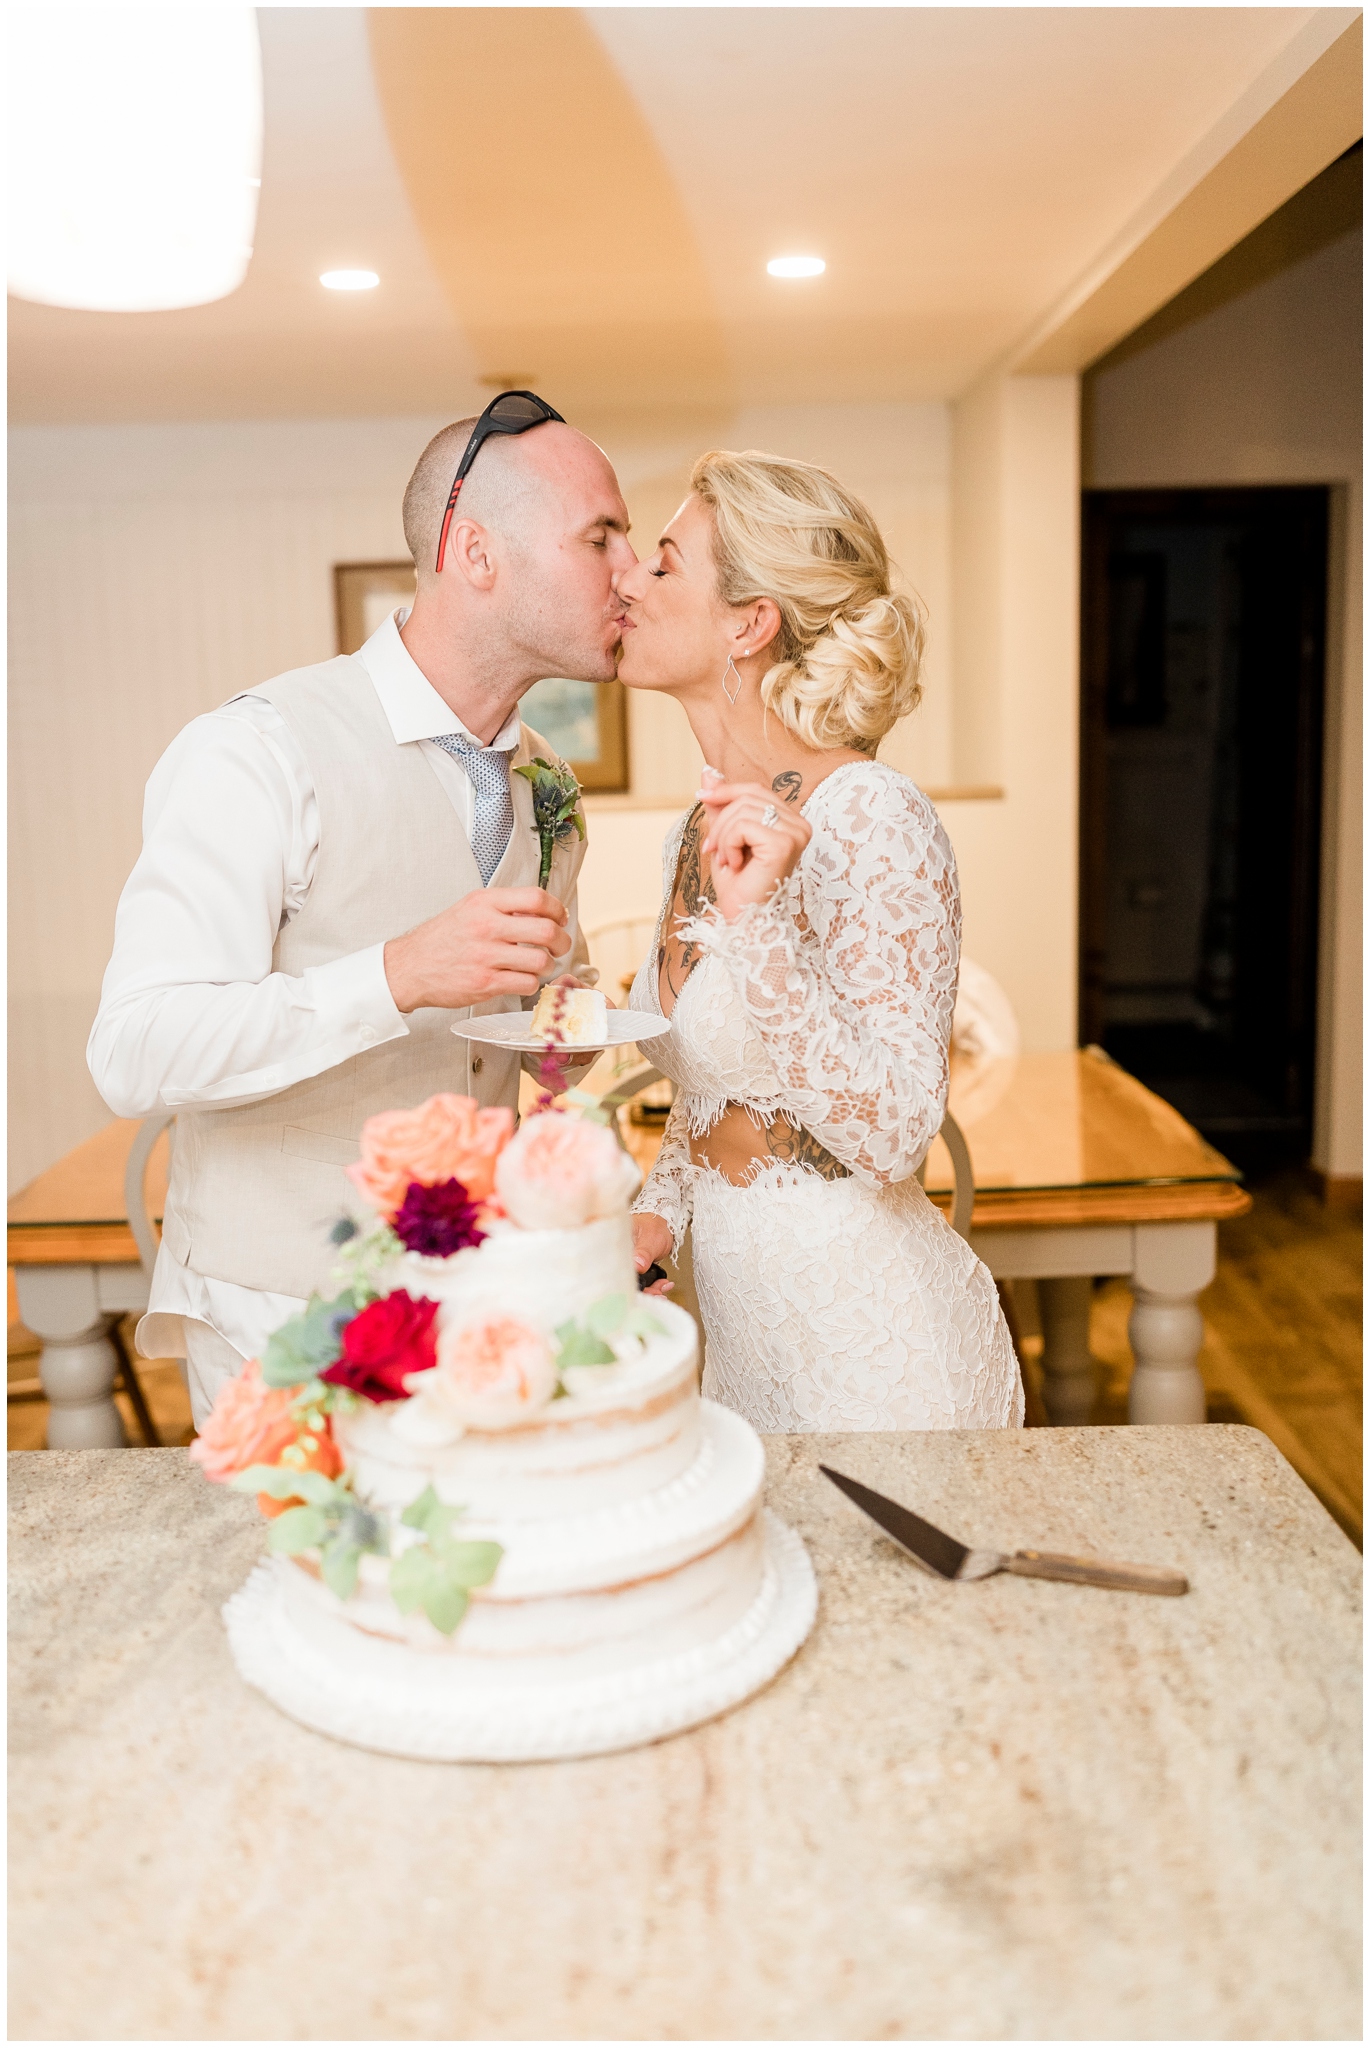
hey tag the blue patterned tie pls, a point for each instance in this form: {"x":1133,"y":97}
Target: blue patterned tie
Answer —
{"x":488,"y":768}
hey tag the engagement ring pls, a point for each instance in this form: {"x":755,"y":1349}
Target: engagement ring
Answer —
{"x":770,"y":816}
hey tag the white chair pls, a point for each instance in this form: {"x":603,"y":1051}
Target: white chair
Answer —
{"x":617,"y":949}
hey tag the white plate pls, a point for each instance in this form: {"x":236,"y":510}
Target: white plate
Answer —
{"x":626,"y":1027}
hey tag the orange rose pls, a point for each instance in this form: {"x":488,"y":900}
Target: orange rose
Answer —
{"x":449,"y":1137}
{"x":314,"y":1451}
{"x":250,"y":1424}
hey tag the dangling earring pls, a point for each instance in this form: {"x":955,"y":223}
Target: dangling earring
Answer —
{"x":733,"y":695}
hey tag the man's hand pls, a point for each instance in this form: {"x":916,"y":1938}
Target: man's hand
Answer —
{"x":494,"y":942}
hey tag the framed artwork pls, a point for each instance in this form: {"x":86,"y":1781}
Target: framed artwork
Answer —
{"x":587,"y":723}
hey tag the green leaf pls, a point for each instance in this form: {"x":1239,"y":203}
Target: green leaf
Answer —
{"x":580,"y":1347}
{"x":416,"y":1514}
{"x":307,"y":1345}
{"x":410,"y":1575}
{"x":437,"y":1580}
{"x":341,"y":1564}
{"x":297,"y":1529}
{"x":285,"y":1482}
{"x":470,"y":1564}
{"x":444,"y":1604}
{"x":435,"y":1517}
{"x":642,"y":1323}
{"x":606,"y":1316}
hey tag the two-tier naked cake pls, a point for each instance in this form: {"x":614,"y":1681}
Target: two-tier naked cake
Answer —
{"x":504,"y":1523}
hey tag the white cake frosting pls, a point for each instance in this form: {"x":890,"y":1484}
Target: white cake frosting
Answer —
{"x":545,"y":1277}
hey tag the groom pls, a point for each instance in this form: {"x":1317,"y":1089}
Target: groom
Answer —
{"x":339,"y":864}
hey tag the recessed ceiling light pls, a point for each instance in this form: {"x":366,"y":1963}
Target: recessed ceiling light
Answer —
{"x":349,"y":280}
{"x":796,"y":266}
{"x":136,"y":154}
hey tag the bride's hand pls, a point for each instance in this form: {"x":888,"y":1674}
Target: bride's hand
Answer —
{"x":753,"y":843}
{"x":652,"y":1242}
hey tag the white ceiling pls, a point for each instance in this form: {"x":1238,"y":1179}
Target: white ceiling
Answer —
{"x":958,"y":167}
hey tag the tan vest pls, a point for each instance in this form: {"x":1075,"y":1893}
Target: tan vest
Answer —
{"x":255,"y":1189}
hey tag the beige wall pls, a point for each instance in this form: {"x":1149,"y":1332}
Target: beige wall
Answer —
{"x":1015,"y":606}
{"x":156,"y":570}
{"x":1264,"y":388}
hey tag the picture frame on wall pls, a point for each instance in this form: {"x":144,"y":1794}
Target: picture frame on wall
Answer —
{"x":587,"y":723}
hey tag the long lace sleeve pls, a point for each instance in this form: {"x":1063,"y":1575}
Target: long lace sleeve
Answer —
{"x":667,"y":1190}
{"x":849,"y":973}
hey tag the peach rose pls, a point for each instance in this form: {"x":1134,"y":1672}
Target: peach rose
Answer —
{"x":560,"y":1172}
{"x":249,"y":1424}
{"x":449,"y":1137}
{"x":492,"y":1373}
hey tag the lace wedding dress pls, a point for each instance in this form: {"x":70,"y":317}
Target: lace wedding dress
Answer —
{"x":830,"y":1303}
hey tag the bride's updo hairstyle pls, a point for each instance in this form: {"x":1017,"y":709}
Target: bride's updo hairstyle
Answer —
{"x":846,"y":659}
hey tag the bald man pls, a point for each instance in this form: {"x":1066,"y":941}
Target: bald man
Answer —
{"x":339,"y":865}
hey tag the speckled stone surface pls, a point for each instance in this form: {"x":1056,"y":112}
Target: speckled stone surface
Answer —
{"x":1009,"y":1810}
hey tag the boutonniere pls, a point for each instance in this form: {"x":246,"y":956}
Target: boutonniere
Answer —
{"x":556,"y":808}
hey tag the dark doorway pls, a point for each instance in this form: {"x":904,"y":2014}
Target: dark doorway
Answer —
{"x":1201,"y":757}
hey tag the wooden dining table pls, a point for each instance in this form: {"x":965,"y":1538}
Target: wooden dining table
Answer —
{"x":1079,"y":1172}
{"x":77,"y":1271}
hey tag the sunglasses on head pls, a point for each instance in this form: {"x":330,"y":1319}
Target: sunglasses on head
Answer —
{"x":513,"y":412}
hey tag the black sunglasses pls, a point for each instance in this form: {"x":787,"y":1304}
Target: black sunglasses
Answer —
{"x":513,"y":412}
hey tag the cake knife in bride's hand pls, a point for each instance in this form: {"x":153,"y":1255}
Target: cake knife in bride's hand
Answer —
{"x":952,"y":1560}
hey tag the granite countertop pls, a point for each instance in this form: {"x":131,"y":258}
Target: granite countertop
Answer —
{"x":1002,"y":1810}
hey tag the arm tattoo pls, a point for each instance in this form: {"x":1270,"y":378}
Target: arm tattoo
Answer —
{"x":788,"y":784}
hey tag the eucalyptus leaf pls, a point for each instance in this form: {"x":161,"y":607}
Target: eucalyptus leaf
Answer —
{"x":642,"y":1323}
{"x":307,"y":1345}
{"x":341,"y":1564}
{"x":444,"y":1604}
{"x":580,"y":1347}
{"x":605,"y":1318}
{"x":410,"y":1576}
{"x":297,"y":1529}
{"x":470,"y":1564}
{"x":416,"y":1514}
{"x":287,"y":1482}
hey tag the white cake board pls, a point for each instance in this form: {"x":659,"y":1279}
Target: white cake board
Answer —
{"x":587,"y":1717}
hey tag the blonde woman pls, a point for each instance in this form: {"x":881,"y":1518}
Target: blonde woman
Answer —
{"x":806,"y":955}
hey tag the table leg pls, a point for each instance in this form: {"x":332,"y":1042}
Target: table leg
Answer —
{"x":61,"y":1305}
{"x":1069,"y":1378}
{"x":1173,"y":1263}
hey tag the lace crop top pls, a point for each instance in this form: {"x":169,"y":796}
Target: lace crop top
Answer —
{"x":832,"y":1003}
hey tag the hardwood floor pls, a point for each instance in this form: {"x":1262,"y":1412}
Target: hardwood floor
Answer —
{"x":1282,"y":1348}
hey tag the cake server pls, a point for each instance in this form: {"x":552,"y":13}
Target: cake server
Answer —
{"x":952,"y":1560}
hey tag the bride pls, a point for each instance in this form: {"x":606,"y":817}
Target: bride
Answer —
{"x":806,"y":955}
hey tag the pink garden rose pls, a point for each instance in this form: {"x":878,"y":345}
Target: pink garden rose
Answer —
{"x":560,"y":1172}
{"x":449,"y":1137}
{"x":493,"y":1372}
{"x":249,"y":1424}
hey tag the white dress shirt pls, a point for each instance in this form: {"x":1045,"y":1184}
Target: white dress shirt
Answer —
{"x":190,"y":1010}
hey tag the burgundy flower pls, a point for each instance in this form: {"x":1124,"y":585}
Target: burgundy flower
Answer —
{"x":438,"y":1220}
{"x":387,"y":1340}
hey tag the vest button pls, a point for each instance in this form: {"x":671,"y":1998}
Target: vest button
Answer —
{"x":476,"y":1065}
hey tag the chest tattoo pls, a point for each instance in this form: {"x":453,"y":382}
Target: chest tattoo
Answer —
{"x":676,"y":957}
